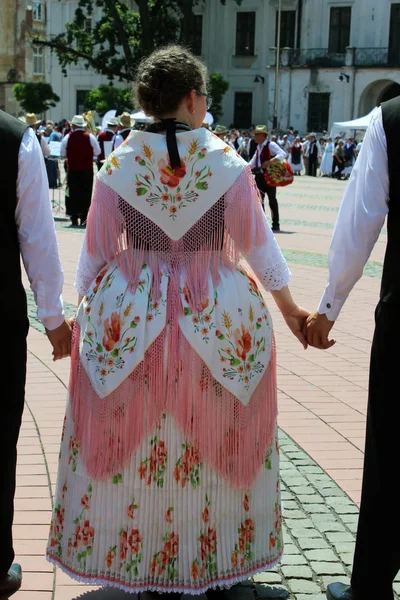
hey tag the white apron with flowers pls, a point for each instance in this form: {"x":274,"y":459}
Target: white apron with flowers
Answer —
{"x":166,"y":510}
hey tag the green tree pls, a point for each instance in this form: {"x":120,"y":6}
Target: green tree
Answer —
{"x":35,"y":97}
{"x":108,"y":97}
{"x":218,"y":87}
{"x":113,"y":45}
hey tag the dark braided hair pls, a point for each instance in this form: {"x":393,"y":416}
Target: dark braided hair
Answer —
{"x":165,"y":77}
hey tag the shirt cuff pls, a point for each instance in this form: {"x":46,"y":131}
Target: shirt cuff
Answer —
{"x":330,"y":307}
{"x":52,"y":323}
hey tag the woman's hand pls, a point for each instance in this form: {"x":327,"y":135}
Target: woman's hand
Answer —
{"x":296,"y":320}
{"x":61,"y":339}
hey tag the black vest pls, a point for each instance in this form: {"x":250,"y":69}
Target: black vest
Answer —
{"x":12,"y":297}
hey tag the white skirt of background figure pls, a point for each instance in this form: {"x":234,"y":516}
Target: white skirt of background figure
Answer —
{"x":327,"y":160}
{"x":297,"y":167}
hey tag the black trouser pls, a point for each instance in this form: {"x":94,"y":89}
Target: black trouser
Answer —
{"x":339,"y":165}
{"x":377,"y":555}
{"x":14,"y":356}
{"x":273,"y":202}
{"x":312,"y":166}
{"x":80,"y":186}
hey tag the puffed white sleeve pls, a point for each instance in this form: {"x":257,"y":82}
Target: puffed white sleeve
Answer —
{"x":88,"y":267}
{"x":247,"y":224}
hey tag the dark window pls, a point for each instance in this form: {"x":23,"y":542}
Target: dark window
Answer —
{"x":288,"y":28}
{"x":394,"y":37}
{"x":243,"y":109}
{"x":245,"y":33}
{"x":318,"y":112}
{"x":197,"y":35}
{"x":339,"y":29}
{"x":81,"y":101}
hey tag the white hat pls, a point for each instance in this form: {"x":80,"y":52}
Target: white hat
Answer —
{"x":113,"y":122}
{"x":78,"y":121}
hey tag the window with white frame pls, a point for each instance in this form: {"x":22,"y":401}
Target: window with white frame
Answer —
{"x":38,"y":10}
{"x":38,"y":61}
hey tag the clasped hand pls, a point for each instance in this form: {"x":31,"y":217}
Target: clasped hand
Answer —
{"x":61,"y":339}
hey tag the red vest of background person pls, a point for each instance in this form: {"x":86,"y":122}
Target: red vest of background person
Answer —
{"x":79,"y":151}
{"x":104,"y":136}
{"x":265,"y":154}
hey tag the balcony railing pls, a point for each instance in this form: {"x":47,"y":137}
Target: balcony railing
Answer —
{"x":315,"y":57}
{"x":376,"y":57}
{"x":321,"y":57}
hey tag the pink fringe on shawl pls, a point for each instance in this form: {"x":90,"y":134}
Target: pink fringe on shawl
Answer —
{"x":232,"y":227}
{"x":231,"y":437}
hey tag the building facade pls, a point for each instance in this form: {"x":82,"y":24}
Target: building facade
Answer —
{"x":338,"y":59}
{"x":20,"y":61}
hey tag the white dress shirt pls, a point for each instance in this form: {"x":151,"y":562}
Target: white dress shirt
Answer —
{"x":93,"y":141}
{"x":275,"y":150}
{"x":360,"y":219}
{"x":36,"y":233}
{"x":118,"y":140}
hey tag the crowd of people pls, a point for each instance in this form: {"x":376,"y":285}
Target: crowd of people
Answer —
{"x":82,"y":143}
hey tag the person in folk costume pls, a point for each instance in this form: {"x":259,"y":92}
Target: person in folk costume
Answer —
{"x":266,"y":152}
{"x":168,"y":478}
{"x":327,"y":159}
{"x":338,"y":160}
{"x":27,"y":229}
{"x":107,"y":135}
{"x":372,"y":194}
{"x":221,"y":131}
{"x":79,"y":147}
{"x":313,"y":152}
{"x":33,"y":122}
{"x":296,"y":156}
{"x":125,"y":125}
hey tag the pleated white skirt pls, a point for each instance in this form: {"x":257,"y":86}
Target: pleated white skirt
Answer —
{"x":166,"y":522}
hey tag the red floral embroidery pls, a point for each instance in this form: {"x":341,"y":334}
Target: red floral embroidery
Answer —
{"x":188,"y":467}
{"x":205,"y":565}
{"x":112,"y":332}
{"x":242,"y":554}
{"x":166,"y":559}
{"x":171,"y":176}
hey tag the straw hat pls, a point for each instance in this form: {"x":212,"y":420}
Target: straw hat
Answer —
{"x":125,"y":120}
{"x":113,"y":122}
{"x":205,"y":125}
{"x":220,"y":129}
{"x":78,"y":121}
{"x":260,"y":129}
{"x":31,"y":119}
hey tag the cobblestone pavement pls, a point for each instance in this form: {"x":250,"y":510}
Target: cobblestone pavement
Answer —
{"x":322,"y":401}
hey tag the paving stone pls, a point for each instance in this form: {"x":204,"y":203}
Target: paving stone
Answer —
{"x":291,"y":549}
{"x":310,"y":597}
{"x":292,"y":514}
{"x":352,"y":518}
{"x":327,"y":579}
{"x":347,"y":558}
{"x":344,"y":547}
{"x":396,"y":587}
{"x":305,"y":523}
{"x":312,"y":544}
{"x":290,"y":505}
{"x":329,"y":516}
{"x":298,"y":481}
{"x":317,"y":508}
{"x":312,"y":469}
{"x":331,"y":526}
{"x":305,"y":490}
{"x":303,"y":533}
{"x":328,"y":568}
{"x":302,"y":586}
{"x":339,"y":536}
{"x":310,"y":499}
{"x":267,"y":577}
{"x":297,"y":572}
{"x":328,"y":492}
{"x":321,"y":555}
{"x":293,"y":559}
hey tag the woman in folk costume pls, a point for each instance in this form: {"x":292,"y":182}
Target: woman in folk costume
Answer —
{"x":327,"y":159}
{"x":296,"y":156}
{"x":168,"y":477}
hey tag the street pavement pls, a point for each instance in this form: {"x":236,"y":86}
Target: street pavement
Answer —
{"x":322,"y":404}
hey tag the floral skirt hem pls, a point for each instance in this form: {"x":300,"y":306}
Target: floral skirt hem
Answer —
{"x":104,"y":581}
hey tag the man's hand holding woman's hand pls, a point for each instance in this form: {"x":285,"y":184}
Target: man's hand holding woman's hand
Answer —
{"x":61,"y":339}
